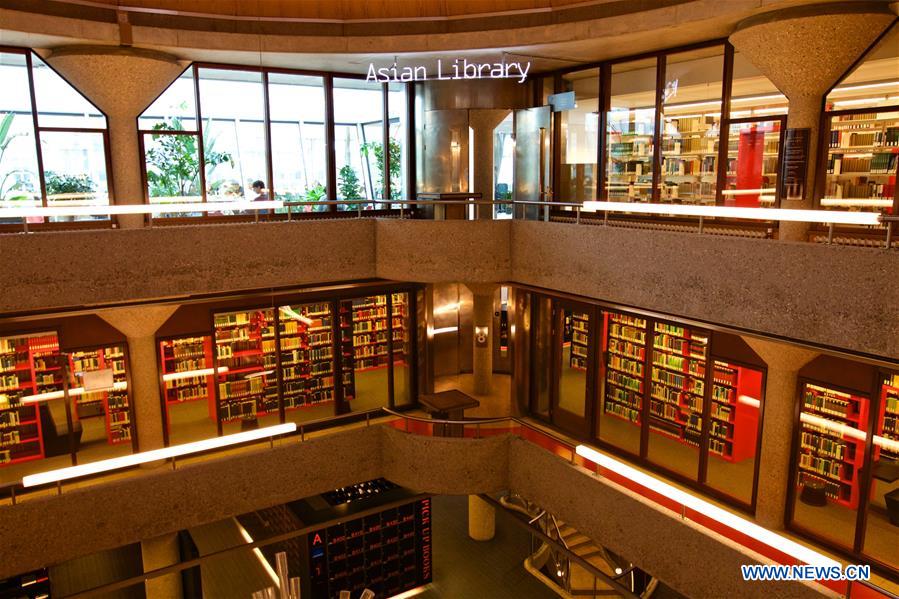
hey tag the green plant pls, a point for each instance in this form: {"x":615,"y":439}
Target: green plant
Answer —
{"x":348,"y":187}
{"x":59,"y":184}
{"x":316,"y":193}
{"x":176,"y":163}
{"x":396,"y":167}
{"x":20,"y":177}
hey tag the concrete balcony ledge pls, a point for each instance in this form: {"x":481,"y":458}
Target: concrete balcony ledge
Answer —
{"x":51,"y":529}
{"x":836,"y":296}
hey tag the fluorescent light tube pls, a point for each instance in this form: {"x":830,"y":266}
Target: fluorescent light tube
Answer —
{"x":781,"y":214}
{"x":442,"y":330}
{"x":859,"y":101}
{"x":36,"y":211}
{"x":117,"y":386}
{"x":849,"y":88}
{"x":777,"y":97}
{"x":154,"y":455}
{"x":291,"y":313}
{"x":186,"y":374}
{"x":447,"y":308}
{"x":742,"y":525}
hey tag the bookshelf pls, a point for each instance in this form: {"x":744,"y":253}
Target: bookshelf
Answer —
{"x":580,"y":339}
{"x":187,"y":354}
{"x":679,"y":362}
{"x":862,"y":160}
{"x":245,"y":344}
{"x":306,"y":354}
{"x":733,"y":411}
{"x":831,"y":440}
{"x":25,"y":370}
{"x":625,"y":366}
{"x":630,"y":139}
{"x":888,"y":420}
{"x":753,"y":152}
{"x":690,"y":158}
{"x":113,"y":404}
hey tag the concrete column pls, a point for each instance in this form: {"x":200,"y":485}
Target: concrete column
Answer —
{"x":121,"y":82}
{"x":160,"y":552}
{"x":784,"y":362}
{"x":139,"y":325}
{"x":482,"y":344}
{"x":795,"y":48}
{"x":481,"y":519}
{"x":484,"y":122}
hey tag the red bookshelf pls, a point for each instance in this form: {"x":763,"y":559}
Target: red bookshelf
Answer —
{"x":112,"y":404}
{"x":307,"y":355}
{"x":734,"y":413}
{"x":245,"y":344}
{"x":186,"y":354}
{"x":24,"y":371}
{"x":624,"y":347}
{"x":831,"y":441}
{"x":888,"y":419}
{"x":679,"y":362}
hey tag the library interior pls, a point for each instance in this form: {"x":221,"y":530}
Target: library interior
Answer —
{"x":294,"y":310}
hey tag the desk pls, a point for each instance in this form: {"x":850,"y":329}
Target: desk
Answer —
{"x":448,"y":405}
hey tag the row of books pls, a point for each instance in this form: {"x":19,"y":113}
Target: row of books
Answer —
{"x":846,"y":138}
{"x":823,"y":401}
{"x":880,"y":163}
{"x":861,"y":188}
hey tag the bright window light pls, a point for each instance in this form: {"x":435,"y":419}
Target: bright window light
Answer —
{"x":154,"y":455}
{"x":35,"y":211}
{"x":742,"y":525}
{"x":781,"y":214}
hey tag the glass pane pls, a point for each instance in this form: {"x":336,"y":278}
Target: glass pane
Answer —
{"x":364,"y":331}
{"x":58,"y":103}
{"x":630,"y":129}
{"x":831,"y":454}
{"x":624,"y":368}
{"x":188,"y":380}
{"x":752,"y":93}
{"x":543,"y":355}
{"x":396,"y":112}
{"x":104,"y":415}
{"x":752,"y":154}
{"x":580,"y":137}
{"x":358,"y":118}
{"x":882,"y":526}
{"x":173,"y":169}
{"x":307,"y":361}
{"x":75,"y":171}
{"x":299,"y":153}
{"x":862,"y":161}
{"x":402,"y":349}
{"x":175,"y":109}
{"x":248,"y":389}
{"x":734,"y":428}
{"x":691,"y":123}
{"x":232,"y":108}
{"x":679,"y":362}
{"x":874,"y":82}
{"x":503,"y":158}
{"x":573,"y":376}
{"x":34,"y":434}
{"x":19,"y":180}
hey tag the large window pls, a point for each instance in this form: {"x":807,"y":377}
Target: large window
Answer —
{"x":260,"y":134}
{"x":55,"y":153}
{"x":580,"y":137}
{"x":630,"y":131}
{"x":862,"y":133}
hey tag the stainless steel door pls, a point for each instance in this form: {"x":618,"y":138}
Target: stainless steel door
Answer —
{"x":533,"y":152}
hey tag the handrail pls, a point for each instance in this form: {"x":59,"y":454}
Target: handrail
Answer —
{"x":463,"y":421}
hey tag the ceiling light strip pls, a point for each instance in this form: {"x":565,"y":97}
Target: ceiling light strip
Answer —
{"x":53,"y":476}
{"x":737,"y":523}
{"x":778,"y":214}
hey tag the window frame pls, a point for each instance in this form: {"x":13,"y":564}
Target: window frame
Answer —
{"x":110,"y":221}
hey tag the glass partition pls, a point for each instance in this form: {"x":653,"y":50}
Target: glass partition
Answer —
{"x":623,"y":380}
{"x":75,"y":171}
{"x":503,"y":158}
{"x":691,"y":126}
{"x":358,"y":134}
{"x":20,"y":184}
{"x":580,"y":137}
{"x":189,"y":385}
{"x":398,"y":151}
{"x":753,"y":153}
{"x":874,"y":83}
{"x":402,"y":331}
{"x":306,"y":347}
{"x":752,"y":93}
{"x":365,"y":357}
{"x":630,"y":131}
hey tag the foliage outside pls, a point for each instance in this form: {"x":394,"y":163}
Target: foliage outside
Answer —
{"x":15,"y":185}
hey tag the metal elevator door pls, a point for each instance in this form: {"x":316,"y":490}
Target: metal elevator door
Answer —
{"x":533,"y":162}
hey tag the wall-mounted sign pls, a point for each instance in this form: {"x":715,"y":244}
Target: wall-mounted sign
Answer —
{"x":795,"y":163}
{"x":562,"y":101}
{"x":460,"y":68}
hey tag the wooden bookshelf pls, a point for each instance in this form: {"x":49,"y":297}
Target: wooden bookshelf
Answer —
{"x":831,"y":441}
{"x":625,"y":366}
{"x":679,"y":362}
{"x":24,"y":370}
{"x":113,"y":405}
{"x":862,"y":160}
{"x":245,"y":344}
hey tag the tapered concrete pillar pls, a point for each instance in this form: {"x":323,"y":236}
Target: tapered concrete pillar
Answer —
{"x":121,"y":82}
{"x":796,"y":49}
{"x":481,"y":519}
{"x":784,"y":362}
{"x":139,"y":325}
{"x":156,"y":553}
{"x":483,"y":122}
{"x":482,"y":350}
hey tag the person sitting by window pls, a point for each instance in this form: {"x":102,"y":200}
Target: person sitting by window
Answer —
{"x":261,"y":194}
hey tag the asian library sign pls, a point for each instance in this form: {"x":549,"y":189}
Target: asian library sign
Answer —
{"x":457,"y":69}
